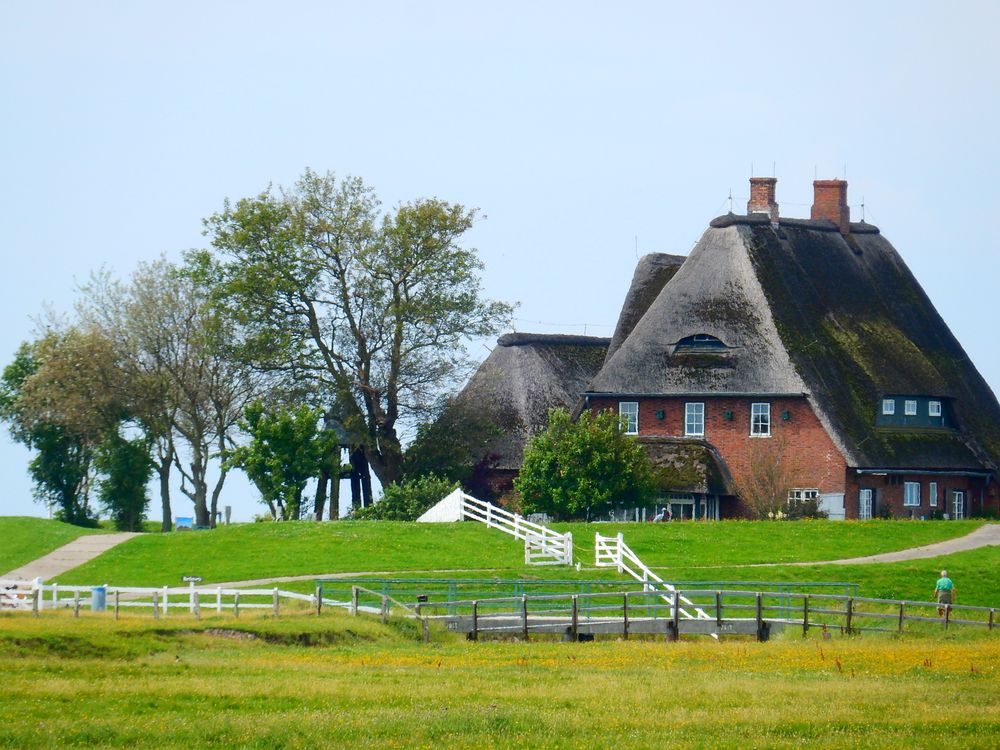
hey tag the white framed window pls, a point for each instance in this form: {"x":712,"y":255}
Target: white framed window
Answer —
{"x":888,"y":406}
{"x":629,"y":413}
{"x":865,"y":503}
{"x":911,"y":494}
{"x":934,"y":408}
{"x":694,"y":419}
{"x":932,"y":494}
{"x":957,"y":505}
{"x":798,"y":495}
{"x":910,"y":408}
{"x":760,"y":420}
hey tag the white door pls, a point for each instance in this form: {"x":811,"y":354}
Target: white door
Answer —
{"x":865,"y":506}
{"x":958,"y":505}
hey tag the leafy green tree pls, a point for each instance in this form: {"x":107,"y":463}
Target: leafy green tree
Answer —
{"x":372,"y":307}
{"x":578,"y":469}
{"x":127,"y":468}
{"x":287,"y":448}
{"x":407,"y":500}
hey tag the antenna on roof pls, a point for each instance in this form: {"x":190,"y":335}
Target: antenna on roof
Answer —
{"x":862,"y":209}
{"x":730,"y":200}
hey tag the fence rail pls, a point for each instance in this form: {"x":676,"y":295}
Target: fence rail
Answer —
{"x":542,"y":545}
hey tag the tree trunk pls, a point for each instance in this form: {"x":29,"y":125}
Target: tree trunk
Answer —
{"x":366,"y":485}
{"x":163,"y":469}
{"x":335,"y":497}
{"x":357,"y":459}
{"x":320,"y":502}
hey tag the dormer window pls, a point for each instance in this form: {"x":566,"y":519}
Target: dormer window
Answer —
{"x":888,"y":406}
{"x":910,"y":408}
{"x":912,"y":411}
{"x":934,"y":408}
{"x":700,"y":342}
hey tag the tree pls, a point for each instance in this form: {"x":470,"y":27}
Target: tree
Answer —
{"x":183,"y":382}
{"x":287,"y":448}
{"x":765,"y":486}
{"x":372,"y":308}
{"x":127,"y":468}
{"x":578,"y":469}
{"x":407,"y":500}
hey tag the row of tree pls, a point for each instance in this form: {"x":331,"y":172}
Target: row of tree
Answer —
{"x":316,"y":321}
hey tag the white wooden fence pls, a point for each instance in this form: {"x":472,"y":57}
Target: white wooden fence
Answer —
{"x":542,"y":545}
{"x":35,"y":595}
{"x":612,"y":552}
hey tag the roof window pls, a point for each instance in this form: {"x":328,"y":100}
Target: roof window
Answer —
{"x":700,"y":342}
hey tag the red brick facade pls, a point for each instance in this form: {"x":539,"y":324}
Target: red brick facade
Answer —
{"x":805,"y":445}
{"x":830,"y":202}
{"x":889,"y":491}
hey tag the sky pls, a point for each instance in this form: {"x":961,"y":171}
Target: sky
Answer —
{"x":588,"y":133}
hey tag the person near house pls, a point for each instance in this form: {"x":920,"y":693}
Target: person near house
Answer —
{"x":944,"y":590}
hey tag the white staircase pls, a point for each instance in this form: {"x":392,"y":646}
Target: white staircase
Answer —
{"x":612,"y":552}
{"x":542,"y":545}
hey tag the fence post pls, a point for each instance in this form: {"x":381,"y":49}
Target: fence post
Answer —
{"x":165,"y":602}
{"x":385,"y":608}
{"x":718,"y":609}
{"x":524,"y":615}
{"x":55,"y":595}
{"x":117,"y":602}
{"x":568,"y":548}
{"x":354,"y":600}
{"x":625,"y":616}
{"x":759,"y":614}
{"x":805,"y":616}
{"x":236,"y":604}
{"x":618,"y":557}
{"x":675,"y":618}
{"x":947,"y":615}
{"x":902,"y":615}
{"x":197,"y":605}
{"x":850,"y":614}
{"x":319,"y":600}
{"x":474,"y":635}
{"x":274,"y":596}
{"x":218,"y":600}
{"x":191,"y":598}
{"x":156,"y":605}
{"x":991,"y":618}
{"x":35,"y":596}
{"x":76,"y":603}
{"x":575,"y":621}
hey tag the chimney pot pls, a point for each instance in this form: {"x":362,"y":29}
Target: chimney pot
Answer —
{"x":830,"y":202}
{"x":762,"y":197}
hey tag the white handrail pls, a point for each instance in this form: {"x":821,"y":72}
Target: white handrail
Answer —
{"x":542,"y":545}
{"x":612,"y":552}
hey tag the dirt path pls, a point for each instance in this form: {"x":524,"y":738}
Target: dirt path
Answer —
{"x":80,"y":550}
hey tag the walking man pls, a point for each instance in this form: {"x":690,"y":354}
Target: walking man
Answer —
{"x":944,"y":590}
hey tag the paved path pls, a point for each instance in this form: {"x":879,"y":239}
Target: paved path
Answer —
{"x":987,"y":535}
{"x":80,"y":550}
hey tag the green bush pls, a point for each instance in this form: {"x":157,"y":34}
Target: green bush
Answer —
{"x":407,"y":500}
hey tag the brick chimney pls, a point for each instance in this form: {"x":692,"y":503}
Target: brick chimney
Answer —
{"x":762,"y":197}
{"x":830,"y":202}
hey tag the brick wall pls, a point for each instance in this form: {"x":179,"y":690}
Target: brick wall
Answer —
{"x":830,"y":202}
{"x":805,"y":444}
{"x":889,"y":491}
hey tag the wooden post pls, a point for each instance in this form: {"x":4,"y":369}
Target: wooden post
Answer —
{"x":902,"y":616}
{"x":275,"y":600}
{"x":218,"y":600}
{"x":165,"y":601}
{"x":474,"y":635}
{"x":805,"y":615}
{"x":354,"y":600}
{"x":385,"y":609}
{"x":759,"y":614}
{"x":850,"y":614}
{"x":676,"y":616}
{"x":76,"y":604}
{"x":197,"y":605}
{"x":524,"y":616}
{"x":991,"y":618}
{"x":156,"y":606}
{"x":35,"y":596}
{"x":425,"y":628}
{"x":55,"y":595}
{"x":236,"y":604}
{"x":625,"y":616}
{"x":319,"y":600}
{"x":947,"y":615}
{"x":718,"y":609}
{"x":575,"y":621}
{"x":117,"y":603}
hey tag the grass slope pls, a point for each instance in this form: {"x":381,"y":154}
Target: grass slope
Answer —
{"x":268,"y":550}
{"x":181,"y":684}
{"x":26,"y":539}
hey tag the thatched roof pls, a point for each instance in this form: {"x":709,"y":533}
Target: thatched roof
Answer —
{"x":651,"y":274}
{"x":803,"y":309}
{"x":687,"y":465}
{"x":526,"y":375}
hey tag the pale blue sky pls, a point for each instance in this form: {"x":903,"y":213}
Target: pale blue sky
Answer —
{"x":582,"y":130}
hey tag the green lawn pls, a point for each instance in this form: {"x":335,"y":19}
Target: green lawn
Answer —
{"x":25,"y":539}
{"x":178,"y":683}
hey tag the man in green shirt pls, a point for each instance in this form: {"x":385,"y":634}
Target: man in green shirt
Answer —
{"x":944,"y":590}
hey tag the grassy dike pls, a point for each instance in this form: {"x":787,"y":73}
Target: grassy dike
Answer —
{"x":344,"y":682}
